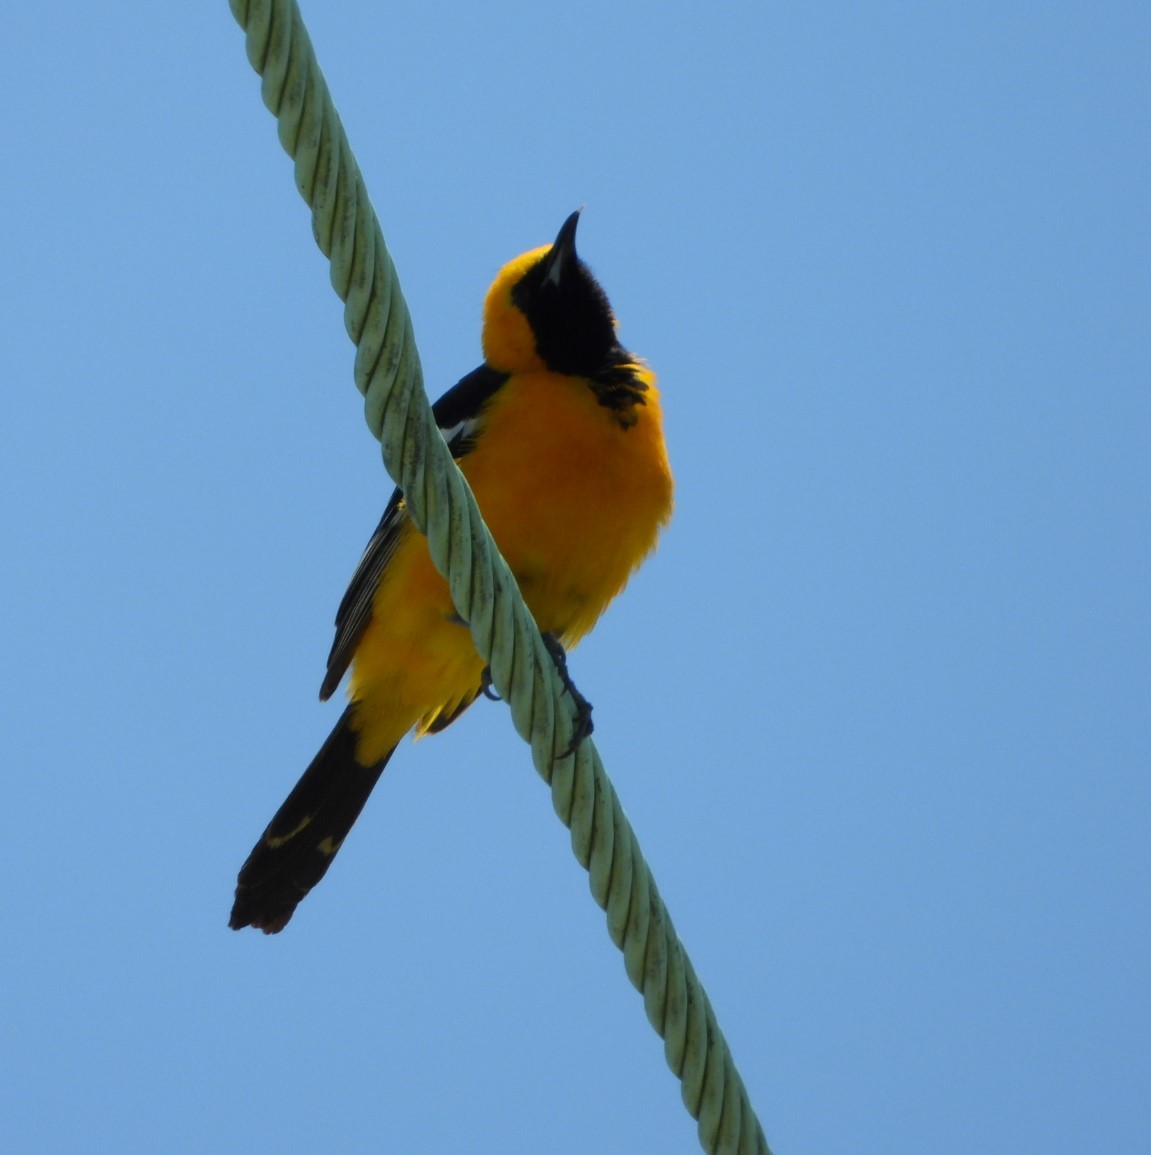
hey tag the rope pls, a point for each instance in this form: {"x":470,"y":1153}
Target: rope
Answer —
{"x":387,"y":373}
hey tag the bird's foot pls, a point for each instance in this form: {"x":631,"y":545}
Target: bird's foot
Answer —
{"x":486,"y":687}
{"x":583,"y":723}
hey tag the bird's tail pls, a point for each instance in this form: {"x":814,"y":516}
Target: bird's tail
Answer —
{"x":298,"y":847}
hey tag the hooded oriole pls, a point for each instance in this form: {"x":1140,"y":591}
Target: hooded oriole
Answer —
{"x":559,"y":434}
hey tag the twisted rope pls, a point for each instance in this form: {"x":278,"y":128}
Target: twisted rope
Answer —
{"x":387,"y":373}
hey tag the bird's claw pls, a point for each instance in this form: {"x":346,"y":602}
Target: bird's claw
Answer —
{"x":583,"y":722}
{"x":486,"y":687}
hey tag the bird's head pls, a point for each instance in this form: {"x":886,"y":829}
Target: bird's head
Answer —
{"x":546,"y":311}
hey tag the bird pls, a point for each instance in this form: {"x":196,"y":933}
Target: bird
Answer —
{"x":559,"y":432}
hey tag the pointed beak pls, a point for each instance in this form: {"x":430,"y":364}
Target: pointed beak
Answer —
{"x":563,"y":252}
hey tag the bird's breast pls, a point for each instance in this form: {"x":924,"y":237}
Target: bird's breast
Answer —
{"x":574,"y":499}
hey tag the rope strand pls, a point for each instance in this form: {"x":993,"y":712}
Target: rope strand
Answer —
{"x":387,"y":372}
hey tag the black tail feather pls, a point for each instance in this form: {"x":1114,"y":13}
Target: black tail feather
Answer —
{"x":296,"y":850}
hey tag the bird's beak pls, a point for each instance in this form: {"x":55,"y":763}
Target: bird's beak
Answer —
{"x":563,"y":251}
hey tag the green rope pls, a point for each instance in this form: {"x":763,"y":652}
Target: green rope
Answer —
{"x":387,"y":372}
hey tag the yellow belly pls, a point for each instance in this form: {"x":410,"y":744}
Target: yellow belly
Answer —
{"x":575,"y":503}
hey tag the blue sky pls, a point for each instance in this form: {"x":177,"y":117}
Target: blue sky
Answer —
{"x":878,"y":708}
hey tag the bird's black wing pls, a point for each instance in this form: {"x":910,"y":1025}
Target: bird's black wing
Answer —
{"x":457,"y":413}
{"x":356,"y":608}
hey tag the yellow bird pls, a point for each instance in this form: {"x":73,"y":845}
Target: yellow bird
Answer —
{"x":560,"y":435}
